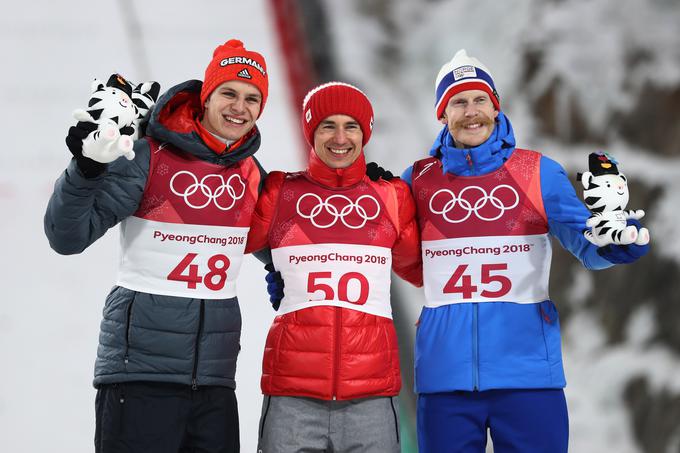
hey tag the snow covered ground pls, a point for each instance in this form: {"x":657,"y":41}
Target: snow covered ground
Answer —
{"x":51,"y":309}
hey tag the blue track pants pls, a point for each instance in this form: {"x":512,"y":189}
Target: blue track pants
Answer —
{"x":520,"y":421}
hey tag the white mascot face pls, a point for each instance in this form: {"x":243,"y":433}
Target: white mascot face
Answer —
{"x":605,"y":193}
{"x":111,"y":105}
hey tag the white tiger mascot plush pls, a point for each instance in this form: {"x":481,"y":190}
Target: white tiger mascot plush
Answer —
{"x":117,"y":108}
{"x":606,"y":195}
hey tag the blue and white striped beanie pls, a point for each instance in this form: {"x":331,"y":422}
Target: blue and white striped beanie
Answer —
{"x":460,"y":74}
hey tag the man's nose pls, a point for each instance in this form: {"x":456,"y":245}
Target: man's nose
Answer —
{"x":239,"y":105}
{"x":471,"y":109}
{"x":340,"y":136}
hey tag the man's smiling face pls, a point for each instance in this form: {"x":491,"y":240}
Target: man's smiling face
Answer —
{"x":338,"y":141}
{"x":232,"y":109}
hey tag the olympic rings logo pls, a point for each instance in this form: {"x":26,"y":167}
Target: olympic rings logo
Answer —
{"x":234,"y":186}
{"x":365,"y":206}
{"x":464,"y":205}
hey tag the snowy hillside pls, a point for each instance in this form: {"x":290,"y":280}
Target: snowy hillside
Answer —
{"x":574,"y":77}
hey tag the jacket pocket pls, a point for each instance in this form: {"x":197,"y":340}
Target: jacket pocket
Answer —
{"x":550,"y":323}
{"x":395,"y":413}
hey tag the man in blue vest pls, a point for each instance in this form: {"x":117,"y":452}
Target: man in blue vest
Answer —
{"x":488,"y":352}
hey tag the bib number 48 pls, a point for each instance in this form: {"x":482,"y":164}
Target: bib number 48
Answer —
{"x":460,"y":282}
{"x":187,"y":272}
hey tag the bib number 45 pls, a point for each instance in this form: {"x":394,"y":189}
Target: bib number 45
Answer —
{"x":460,"y":282}
{"x":187,"y":272}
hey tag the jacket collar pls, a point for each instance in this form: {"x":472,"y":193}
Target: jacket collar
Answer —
{"x":336,"y":177}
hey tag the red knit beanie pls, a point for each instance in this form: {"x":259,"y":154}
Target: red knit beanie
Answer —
{"x":336,"y":98}
{"x":231,"y":61}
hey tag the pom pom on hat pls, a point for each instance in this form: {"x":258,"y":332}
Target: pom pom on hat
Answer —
{"x":336,"y":98}
{"x":460,"y":74}
{"x":231,"y":61}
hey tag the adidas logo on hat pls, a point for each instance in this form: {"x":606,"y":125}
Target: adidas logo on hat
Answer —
{"x":244,"y":74}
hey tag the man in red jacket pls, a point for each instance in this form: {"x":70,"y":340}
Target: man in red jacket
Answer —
{"x":331,"y":362}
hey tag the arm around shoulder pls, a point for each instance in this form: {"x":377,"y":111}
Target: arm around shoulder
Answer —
{"x":406,"y":253}
{"x":258,"y":236}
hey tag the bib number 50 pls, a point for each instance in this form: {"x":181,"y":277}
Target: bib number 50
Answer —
{"x":462,"y":283}
{"x":314,"y":285}
{"x":187,"y":272}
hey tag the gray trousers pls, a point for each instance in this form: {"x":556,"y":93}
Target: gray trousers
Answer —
{"x":309,"y":425}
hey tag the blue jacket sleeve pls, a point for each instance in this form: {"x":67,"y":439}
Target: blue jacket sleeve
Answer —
{"x":407,"y":175}
{"x":567,"y":215}
{"x":81,"y":210}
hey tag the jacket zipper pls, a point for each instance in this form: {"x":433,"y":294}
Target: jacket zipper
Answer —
{"x":126,"y":357}
{"x":475,"y":346}
{"x":336,"y":356}
{"x":468,"y":158}
{"x":194,"y":382}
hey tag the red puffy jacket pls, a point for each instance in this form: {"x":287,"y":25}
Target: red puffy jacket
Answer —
{"x":331,"y":352}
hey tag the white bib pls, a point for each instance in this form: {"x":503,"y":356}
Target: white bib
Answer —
{"x":487,"y":269}
{"x":339,"y":275}
{"x":175,"y":259}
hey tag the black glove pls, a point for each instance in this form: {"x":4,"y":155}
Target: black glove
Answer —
{"x":624,"y":254}
{"x":275,"y":285}
{"x":74,"y":140}
{"x":375,"y":172}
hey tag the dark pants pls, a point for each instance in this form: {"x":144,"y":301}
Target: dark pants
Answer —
{"x":150,"y":417}
{"x":520,"y":421}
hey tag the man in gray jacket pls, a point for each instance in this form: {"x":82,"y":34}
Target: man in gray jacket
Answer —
{"x":171,"y":326}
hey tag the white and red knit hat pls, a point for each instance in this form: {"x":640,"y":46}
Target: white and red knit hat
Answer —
{"x":460,"y":74}
{"x":231,"y":61}
{"x":336,"y":98}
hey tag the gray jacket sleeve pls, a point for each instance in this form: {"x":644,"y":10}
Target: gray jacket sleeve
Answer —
{"x":81,"y":210}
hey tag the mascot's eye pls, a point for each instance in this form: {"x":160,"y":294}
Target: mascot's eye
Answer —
{"x":609,"y":185}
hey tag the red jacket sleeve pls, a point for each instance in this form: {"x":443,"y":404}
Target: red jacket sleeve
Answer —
{"x":407,"y":260}
{"x":258,"y":236}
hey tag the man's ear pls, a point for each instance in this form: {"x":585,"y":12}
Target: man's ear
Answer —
{"x":443,"y":119}
{"x":495,"y":113}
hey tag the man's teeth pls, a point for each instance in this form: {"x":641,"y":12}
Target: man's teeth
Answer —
{"x":234,"y":120}
{"x":473,"y":126}
{"x":339,"y":151}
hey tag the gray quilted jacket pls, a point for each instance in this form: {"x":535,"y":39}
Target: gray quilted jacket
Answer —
{"x":149,"y":337}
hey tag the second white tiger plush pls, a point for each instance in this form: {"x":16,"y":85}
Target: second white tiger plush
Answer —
{"x":606,"y":195}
